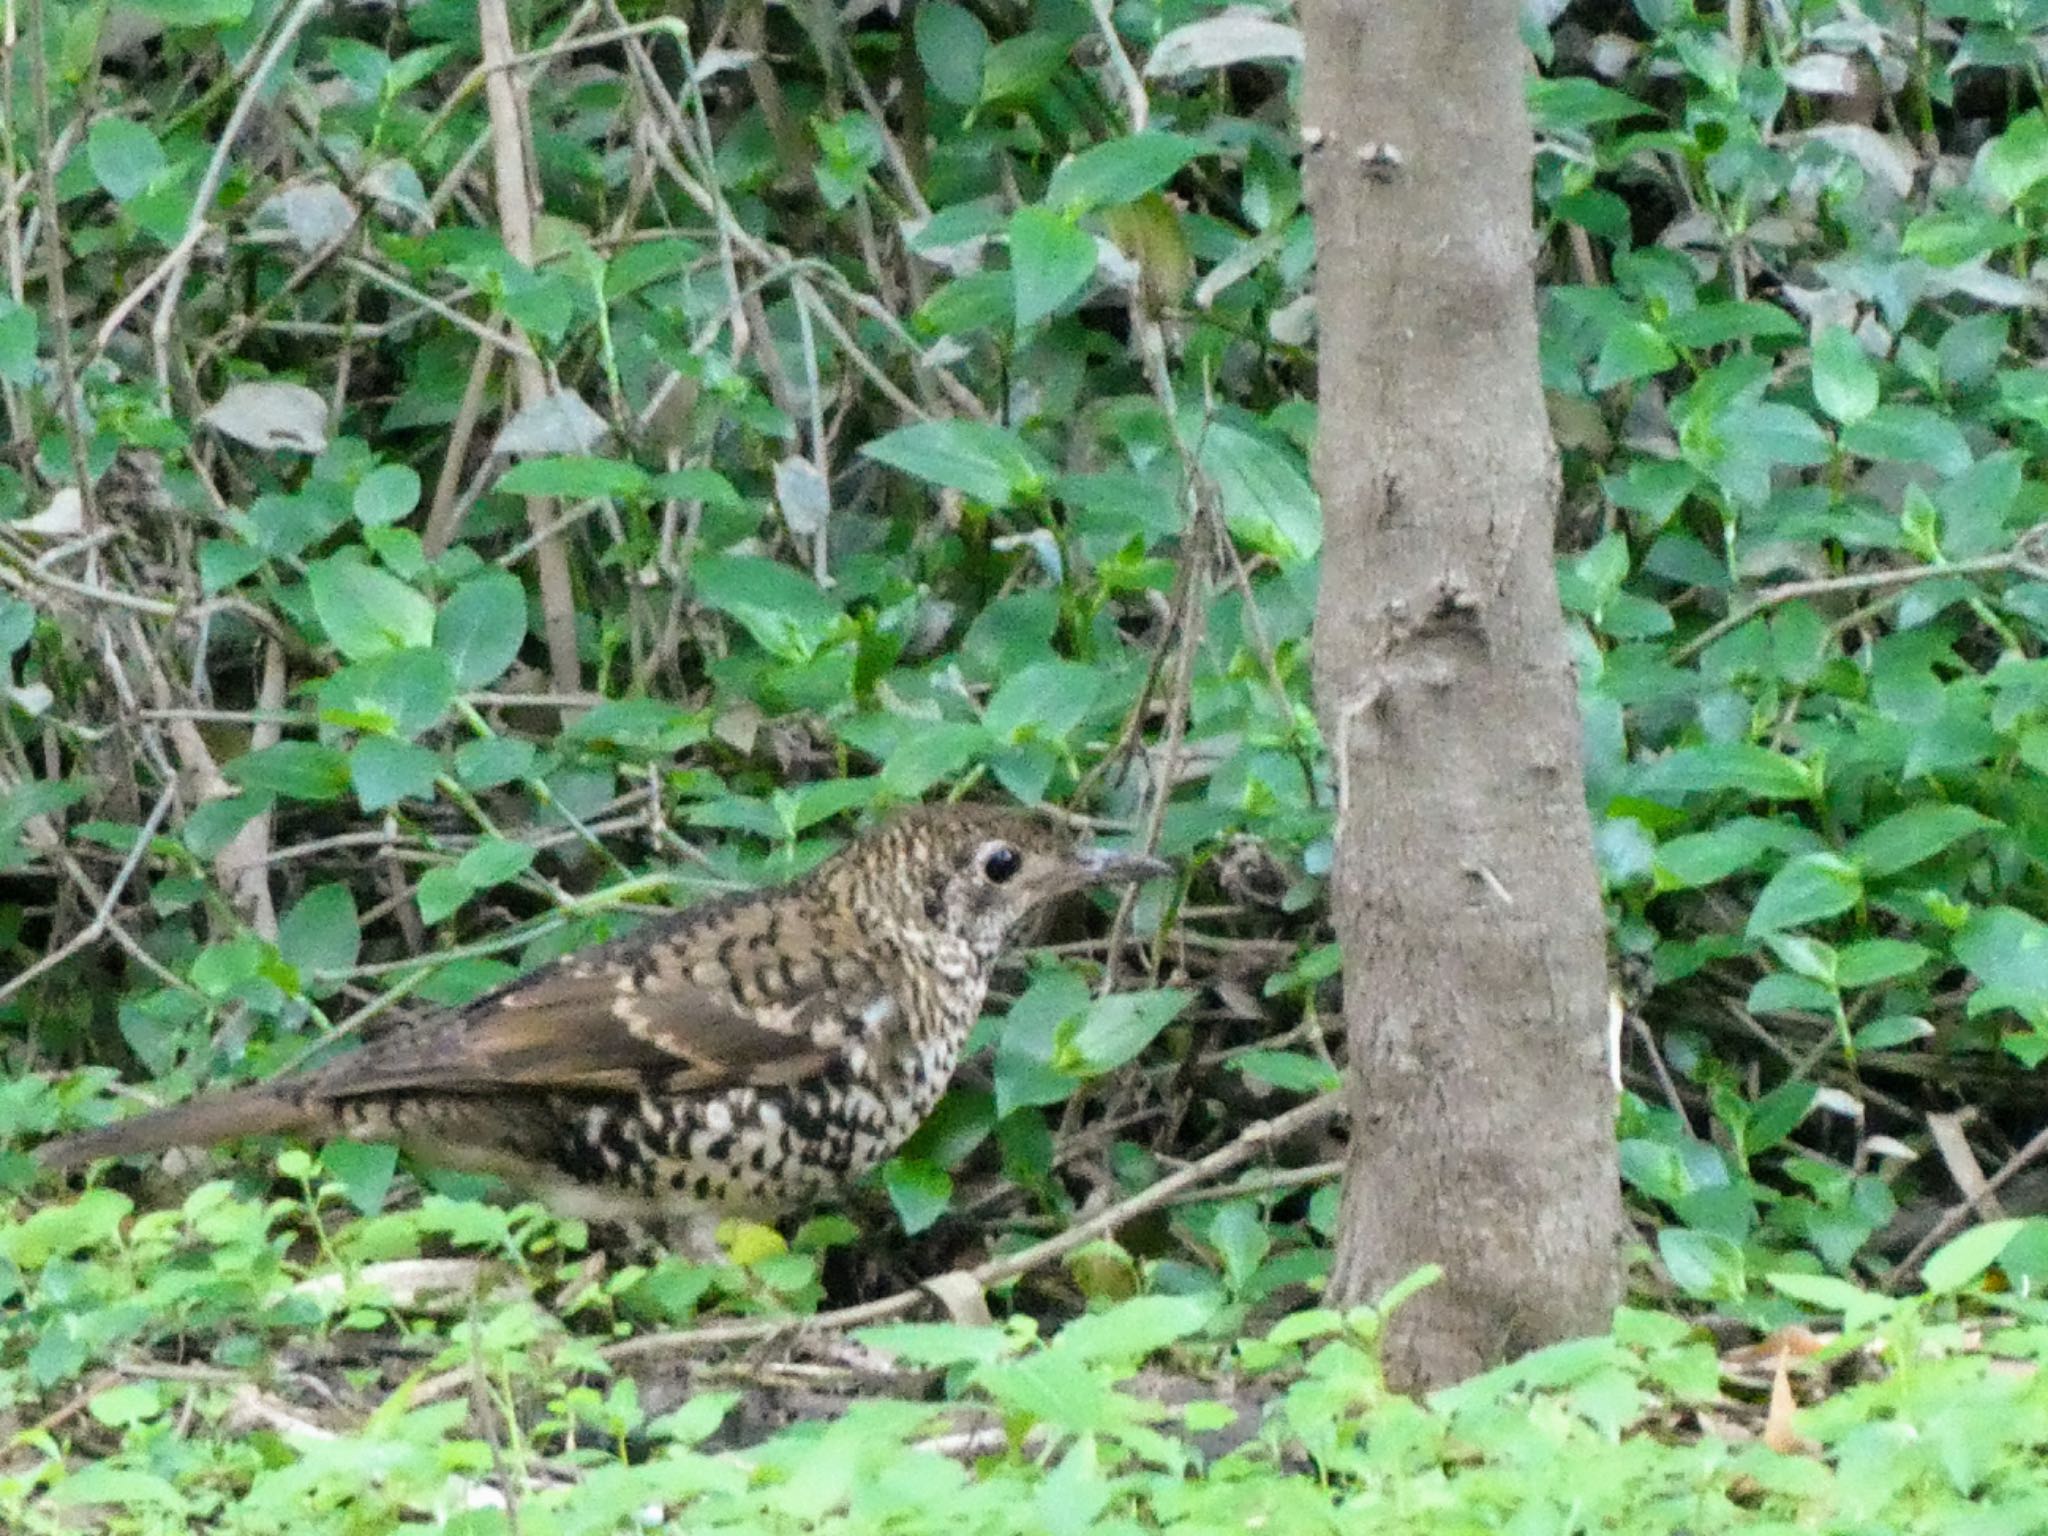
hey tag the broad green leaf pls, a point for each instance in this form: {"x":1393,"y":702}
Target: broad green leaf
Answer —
{"x":919,"y":1190}
{"x":385,"y":770}
{"x":125,"y":157}
{"x":931,"y":756}
{"x":386,"y":494}
{"x":2007,"y":950}
{"x":640,"y":727}
{"x":401,"y":693}
{"x":1962,"y":1259}
{"x":2013,"y":162}
{"x":18,"y":335}
{"x":1267,"y":499}
{"x":785,"y":612}
{"x":1807,"y":889}
{"x":1051,"y":261}
{"x":1044,"y":701}
{"x":1132,"y":1330}
{"x":1911,"y":434}
{"x":492,"y":862}
{"x":214,"y":825}
{"x":493,"y":760}
{"x":1844,"y":382}
{"x":321,"y":936}
{"x":1119,"y":170}
{"x":1912,"y":835}
{"x":576,"y":479}
{"x":951,"y":45}
{"x":1893,"y":1029}
{"x":1018,"y":67}
{"x":1869,"y":961}
{"x":984,"y":461}
{"x":367,"y":612}
{"x":441,"y":891}
{"x":1115,"y":1029}
{"x":481,"y":628}
{"x":298,"y":770}
{"x":1703,"y":1264}
{"x":363,"y":1171}
{"x":1633,"y":349}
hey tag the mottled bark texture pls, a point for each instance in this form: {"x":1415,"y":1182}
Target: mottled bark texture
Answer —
{"x":1465,"y":894}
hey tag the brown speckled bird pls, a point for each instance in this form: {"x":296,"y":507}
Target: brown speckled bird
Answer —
{"x":743,"y":1057}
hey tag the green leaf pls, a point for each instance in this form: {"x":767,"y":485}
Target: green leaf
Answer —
{"x":402,"y":693}
{"x":1115,"y":1029}
{"x":2007,"y":950}
{"x":367,"y":612}
{"x":1132,"y":1330}
{"x":1916,"y":833}
{"x":125,"y":157}
{"x":481,"y":628}
{"x":363,"y":1171}
{"x":1024,"y":1074}
{"x":1045,"y":701}
{"x":1728,"y":765}
{"x":1893,"y":1029}
{"x":441,"y":892}
{"x":18,"y":334}
{"x":321,"y":937}
{"x":930,"y":756}
{"x":298,"y":770}
{"x":919,"y":1190}
{"x":1869,"y":961}
{"x":1701,"y":858}
{"x":213,"y":825}
{"x":1290,"y":1071}
{"x":1960,"y":1260}
{"x":1051,"y":261}
{"x":576,"y":479}
{"x":1703,"y":1264}
{"x":1119,"y":171}
{"x":1808,"y":888}
{"x":492,"y":862}
{"x":386,"y":494}
{"x":1910,"y":434}
{"x":1843,"y":381}
{"x":783,"y":610}
{"x":494,"y":760}
{"x":2012,"y":163}
{"x":1019,"y":67}
{"x":986,"y":462}
{"x":1575,"y":102}
{"x":1267,"y":499}
{"x":952,"y":45}
{"x":1633,"y":349}
{"x":91,"y":1221}
{"x":385,"y":770}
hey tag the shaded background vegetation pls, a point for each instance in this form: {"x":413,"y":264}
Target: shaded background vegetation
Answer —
{"x":399,"y":590}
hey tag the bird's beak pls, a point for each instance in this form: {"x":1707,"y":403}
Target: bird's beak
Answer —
{"x":1116,"y":866}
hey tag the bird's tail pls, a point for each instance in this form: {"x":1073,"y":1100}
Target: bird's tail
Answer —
{"x":213,"y":1117}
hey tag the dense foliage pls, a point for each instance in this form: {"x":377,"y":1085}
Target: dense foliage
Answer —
{"x":396,"y":592}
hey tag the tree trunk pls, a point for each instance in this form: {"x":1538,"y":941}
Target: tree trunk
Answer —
{"x":1465,"y":892}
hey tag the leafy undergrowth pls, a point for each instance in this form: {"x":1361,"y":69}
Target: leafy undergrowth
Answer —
{"x":209,"y":1367}
{"x":911,"y":421}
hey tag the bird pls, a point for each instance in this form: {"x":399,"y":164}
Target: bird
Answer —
{"x":744,"y":1057}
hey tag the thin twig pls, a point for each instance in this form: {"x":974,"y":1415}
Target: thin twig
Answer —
{"x":102,"y":918}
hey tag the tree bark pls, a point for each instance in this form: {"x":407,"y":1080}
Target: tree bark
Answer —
{"x":1465,"y":891}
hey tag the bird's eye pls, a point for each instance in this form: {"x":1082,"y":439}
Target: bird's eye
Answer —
{"x":1001,"y":862}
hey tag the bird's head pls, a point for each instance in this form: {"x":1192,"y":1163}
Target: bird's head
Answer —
{"x":974,"y":872}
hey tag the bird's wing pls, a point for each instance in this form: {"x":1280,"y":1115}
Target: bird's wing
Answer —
{"x":659,"y":1011}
